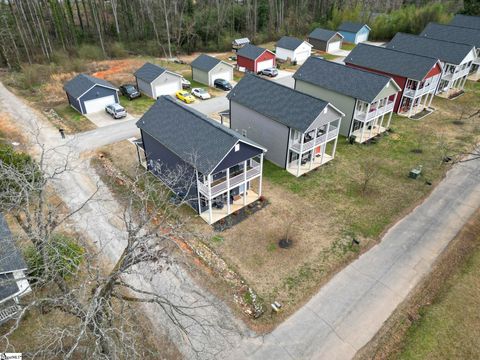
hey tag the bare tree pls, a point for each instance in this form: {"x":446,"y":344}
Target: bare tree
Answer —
{"x":369,"y":169}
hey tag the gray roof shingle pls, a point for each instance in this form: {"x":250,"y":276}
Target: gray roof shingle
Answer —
{"x":323,"y":34}
{"x":351,"y":26}
{"x":445,"y":51}
{"x":11,"y":258}
{"x":205,"y":62}
{"x":456,"y":34}
{"x":250,"y":51}
{"x":472,"y":22}
{"x":192,"y":136}
{"x":8,"y":286}
{"x":356,"y":83}
{"x":277,"y":102}
{"x":82,"y":82}
{"x":289,"y":42}
{"x":390,"y":61}
{"x":149,"y":72}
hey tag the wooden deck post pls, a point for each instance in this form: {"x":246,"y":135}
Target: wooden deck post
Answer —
{"x":261,"y":176}
{"x":245,"y":183}
{"x":228,"y":191}
{"x":210,"y":215}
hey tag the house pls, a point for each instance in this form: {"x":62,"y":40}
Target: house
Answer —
{"x":418,"y":76}
{"x":207,"y":165}
{"x":88,"y":94}
{"x":325,"y":40}
{"x":367,"y":99}
{"x":456,"y":59}
{"x":472,"y":22}
{"x":353,"y":32}
{"x":254,"y":58}
{"x":13,"y":282}
{"x":154,"y":81}
{"x":239,"y":43}
{"x":206,"y":69}
{"x":460,"y":35}
{"x":299,"y":131}
{"x":293,"y":49}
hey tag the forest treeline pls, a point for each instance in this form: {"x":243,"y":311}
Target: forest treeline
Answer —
{"x":37,"y":31}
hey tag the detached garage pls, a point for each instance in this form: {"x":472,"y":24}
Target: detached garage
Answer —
{"x":155,"y":81}
{"x":254,"y":58}
{"x":206,"y":69}
{"x":294,"y":49}
{"x":88,"y":94}
{"x":325,"y":40}
{"x":354,"y":33}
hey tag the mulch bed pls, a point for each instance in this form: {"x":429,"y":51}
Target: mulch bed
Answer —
{"x":238,"y":216}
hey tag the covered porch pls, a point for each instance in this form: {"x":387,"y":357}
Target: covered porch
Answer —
{"x":299,"y":168}
{"x":239,"y":202}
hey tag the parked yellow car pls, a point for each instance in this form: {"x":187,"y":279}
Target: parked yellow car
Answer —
{"x":185,"y":96}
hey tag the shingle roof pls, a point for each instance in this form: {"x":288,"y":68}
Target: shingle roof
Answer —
{"x":452,"y":33}
{"x":342,"y":79}
{"x":351,"y":26}
{"x":250,"y":51}
{"x":149,"y":72}
{"x":8,"y":286}
{"x":205,"y":62}
{"x":82,"y":82}
{"x":289,"y":42}
{"x":10,"y":256}
{"x":390,"y":61}
{"x":241,"y":41}
{"x":277,"y":102}
{"x":196,"y":139}
{"x":472,"y":22}
{"x":445,"y":51}
{"x":323,"y":34}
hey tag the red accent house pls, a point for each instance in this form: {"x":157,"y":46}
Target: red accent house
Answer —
{"x":254,"y":58}
{"x":417,"y":76}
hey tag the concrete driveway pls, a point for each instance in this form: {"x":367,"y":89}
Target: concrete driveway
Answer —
{"x":286,"y":80}
{"x":102,"y":119}
{"x":211,"y":106}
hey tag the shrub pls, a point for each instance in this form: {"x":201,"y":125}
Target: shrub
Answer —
{"x":64,"y":257}
{"x":90,"y":52}
{"x":117,"y":50}
{"x":34,"y":75}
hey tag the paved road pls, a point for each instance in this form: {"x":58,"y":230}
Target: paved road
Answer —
{"x":352,"y":307}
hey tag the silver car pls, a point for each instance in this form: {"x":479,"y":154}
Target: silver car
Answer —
{"x":117,"y":111}
{"x":272,"y":72}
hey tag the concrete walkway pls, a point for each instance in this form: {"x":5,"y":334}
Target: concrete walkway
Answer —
{"x":352,"y":307}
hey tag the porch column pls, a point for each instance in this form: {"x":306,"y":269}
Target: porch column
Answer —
{"x":381,"y":124}
{"x":431,"y":99}
{"x":300,"y":154}
{"x":261,"y":176}
{"x":210,"y":215}
{"x":312,"y":157}
{"x":413,"y":102}
{"x":198,"y":194}
{"x":228,"y":191}
{"x":365,"y":124}
{"x":334,"y":147}
{"x":245,"y":183}
{"x":324,"y":145}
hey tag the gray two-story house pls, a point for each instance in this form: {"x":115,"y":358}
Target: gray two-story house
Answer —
{"x":208,"y":166}
{"x":299,"y":131}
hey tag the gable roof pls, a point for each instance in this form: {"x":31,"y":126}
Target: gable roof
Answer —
{"x":192,"y":136}
{"x":11,"y":258}
{"x":241,"y":41}
{"x":277,"y":102}
{"x":323,"y":34}
{"x":206,"y":62}
{"x":356,"y":83}
{"x":149,"y":72}
{"x":353,"y":27}
{"x":472,"y":22}
{"x":391,"y":61}
{"x":82,"y":83}
{"x":456,"y":34}
{"x":445,"y":51}
{"x":289,"y":42}
{"x":250,"y":51}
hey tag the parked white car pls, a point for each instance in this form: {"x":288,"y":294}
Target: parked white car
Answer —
{"x":185,"y":83}
{"x":116,"y":111}
{"x":201,"y":93}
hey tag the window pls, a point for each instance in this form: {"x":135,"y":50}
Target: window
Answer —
{"x":244,"y":133}
{"x":237,"y":147}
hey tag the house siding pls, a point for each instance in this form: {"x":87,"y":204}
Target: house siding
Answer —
{"x":220,"y":68}
{"x":97,"y":92}
{"x":74,"y":102}
{"x":166,"y":77}
{"x":144,"y":87}
{"x":245,"y":152}
{"x":246,"y":63}
{"x":156,"y":153}
{"x":284,"y":54}
{"x":318,"y":44}
{"x":267,"y":55}
{"x":200,"y":75}
{"x":342,"y":102}
{"x":264,"y":131}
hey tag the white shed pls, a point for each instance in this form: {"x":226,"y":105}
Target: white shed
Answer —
{"x":294,"y":49}
{"x":155,"y":81}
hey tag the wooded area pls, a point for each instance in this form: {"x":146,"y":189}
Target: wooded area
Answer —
{"x":33,"y":30}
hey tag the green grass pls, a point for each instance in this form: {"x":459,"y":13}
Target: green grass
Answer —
{"x":137,"y":106}
{"x":73,"y":121}
{"x":336,"y":186}
{"x":329,"y":56}
{"x":348,"y":46}
{"x":450,"y":327}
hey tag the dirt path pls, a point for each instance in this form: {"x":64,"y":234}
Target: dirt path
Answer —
{"x":101,"y":221}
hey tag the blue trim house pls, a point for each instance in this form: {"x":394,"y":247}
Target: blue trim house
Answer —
{"x":208,"y":166}
{"x":88,"y":94}
{"x":354,"y":32}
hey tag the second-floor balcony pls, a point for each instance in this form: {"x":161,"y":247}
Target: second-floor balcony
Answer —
{"x":457,"y":74}
{"x":414,"y":92}
{"x":374,"y":113}
{"x":310,"y":142}
{"x":235,"y":178}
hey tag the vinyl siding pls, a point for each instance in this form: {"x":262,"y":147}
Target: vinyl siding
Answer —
{"x":342,"y":102}
{"x":318,"y":44}
{"x":75,"y":103}
{"x":245,"y":152}
{"x":166,"y":77}
{"x":264,"y":131}
{"x":144,"y":87}
{"x":97,"y":92}
{"x":200,"y":76}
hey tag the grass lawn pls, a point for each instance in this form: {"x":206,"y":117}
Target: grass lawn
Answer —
{"x":329,"y":56}
{"x":71,"y":120}
{"x":450,"y":327}
{"x":348,"y":46}
{"x":137,"y":106}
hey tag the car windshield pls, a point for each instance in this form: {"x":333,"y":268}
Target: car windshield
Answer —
{"x":201,"y":91}
{"x":117,"y":107}
{"x":130,"y":88}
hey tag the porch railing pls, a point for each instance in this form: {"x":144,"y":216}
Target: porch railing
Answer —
{"x":309,"y":145}
{"x":361,"y":116}
{"x":418,"y":92}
